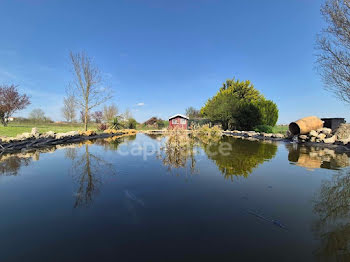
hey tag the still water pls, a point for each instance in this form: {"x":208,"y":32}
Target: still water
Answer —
{"x":129,"y":199}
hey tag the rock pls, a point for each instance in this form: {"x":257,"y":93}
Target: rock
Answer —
{"x":87,"y":133}
{"x":313,"y":133}
{"x":326,"y":131}
{"x":49,"y":134}
{"x":266,"y":134}
{"x":330,"y":140}
{"x":23,"y":136}
{"x":278,"y":135}
{"x":313,"y":139}
{"x":343,"y":141}
{"x":321,"y":136}
{"x":35,"y":132}
{"x":303,"y":137}
{"x":343,"y":131}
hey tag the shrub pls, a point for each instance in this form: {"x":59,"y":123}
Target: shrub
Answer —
{"x":247,"y":116}
{"x":102,"y":127}
{"x":131,"y":123}
{"x":160,"y":123}
{"x":264,"y":128}
{"x":268,"y":111}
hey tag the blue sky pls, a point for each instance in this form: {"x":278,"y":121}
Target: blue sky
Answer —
{"x":163,"y":56}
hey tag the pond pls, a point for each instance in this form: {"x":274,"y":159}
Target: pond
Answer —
{"x":135,"y":199}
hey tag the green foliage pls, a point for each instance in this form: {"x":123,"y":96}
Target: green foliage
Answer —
{"x":160,"y":123}
{"x":131,"y":123}
{"x":238,"y":105}
{"x":268,"y":111}
{"x":116,"y":123}
{"x":247,"y":116}
{"x":264,"y":128}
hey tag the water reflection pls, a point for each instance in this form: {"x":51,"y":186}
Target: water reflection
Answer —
{"x":10,"y":164}
{"x":243,"y":158}
{"x":316,"y":157}
{"x":87,"y":170}
{"x":177,"y":152}
{"x":332,"y":205}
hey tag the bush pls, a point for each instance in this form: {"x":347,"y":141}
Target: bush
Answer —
{"x":268,"y":111}
{"x":132,"y":123}
{"x":102,"y":127}
{"x":247,"y":116}
{"x":264,"y":128}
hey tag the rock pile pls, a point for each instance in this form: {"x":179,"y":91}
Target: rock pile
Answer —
{"x":325,"y":135}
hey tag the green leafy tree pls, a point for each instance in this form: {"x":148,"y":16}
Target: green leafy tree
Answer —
{"x":268,"y":111}
{"x":239,"y":105}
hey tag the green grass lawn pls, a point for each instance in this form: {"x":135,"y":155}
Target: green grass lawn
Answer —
{"x":14,"y":129}
{"x":281,"y":129}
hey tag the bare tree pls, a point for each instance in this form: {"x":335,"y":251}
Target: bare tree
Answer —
{"x":97,"y":116}
{"x":10,"y":102}
{"x":69,"y":108}
{"x":87,"y":87}
{"x":37,"y":115}
{"x":333,"y":45}
{"x":110,"y":112}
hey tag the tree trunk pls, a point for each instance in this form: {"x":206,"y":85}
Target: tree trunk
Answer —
{"x":86,"y":118}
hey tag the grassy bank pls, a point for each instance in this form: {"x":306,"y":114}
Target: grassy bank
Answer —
{"x":280,"y":129}
{"x":14,"y":129}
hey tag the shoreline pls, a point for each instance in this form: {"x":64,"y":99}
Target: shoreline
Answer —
{"x":41,"y":142}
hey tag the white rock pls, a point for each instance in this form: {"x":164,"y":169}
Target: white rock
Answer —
{"x":303,"y":137}
{"x":35,"y":132}
{"x":321,"y":136}
{"x":313,"y":133}
{"x":326,"y":131}
{"x":278,"y":135}
{"x":330,"y":140}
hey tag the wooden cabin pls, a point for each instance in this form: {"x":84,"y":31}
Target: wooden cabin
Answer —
{"x":178,"y":120}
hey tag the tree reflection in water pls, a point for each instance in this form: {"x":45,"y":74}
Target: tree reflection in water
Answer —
{"x":10,"y":164}
{"x":87,"y":170}
{"x":332,"y":205}
{"x":240,"y":160}
{"x":243,"y":158}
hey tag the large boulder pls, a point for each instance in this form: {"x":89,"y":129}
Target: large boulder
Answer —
{"x":343,"y":131}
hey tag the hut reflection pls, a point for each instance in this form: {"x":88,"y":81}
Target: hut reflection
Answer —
{"x":332,"y":205}
{"x":316,"y":157}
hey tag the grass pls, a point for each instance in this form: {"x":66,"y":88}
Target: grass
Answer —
{"x":281,"y":129}
{"x":14,"y":129}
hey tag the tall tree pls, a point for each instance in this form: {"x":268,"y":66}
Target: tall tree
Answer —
{"x":110,"y":112}
{"x":87,"y":86}
{"x":37,"y":115}
{"x":333,"y":45}
{"x":10,"y":102}
{"x":191,"y":112}
{"x":69,"y":108}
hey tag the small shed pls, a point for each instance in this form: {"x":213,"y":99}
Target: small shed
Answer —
{"x":333,"y":123}
{"x":178,"y":120}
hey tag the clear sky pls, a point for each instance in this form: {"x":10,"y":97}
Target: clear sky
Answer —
{"x":163,"y":56}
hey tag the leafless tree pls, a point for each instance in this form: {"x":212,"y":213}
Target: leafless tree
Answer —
{"x":37,"y":115}
{"x":97,"y":116}
{"x":110,"y":112}
{"x":87,"y":87}
{"x":10,"y":102}
{"x":333,"y":45}
{"x":69,"y":108}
